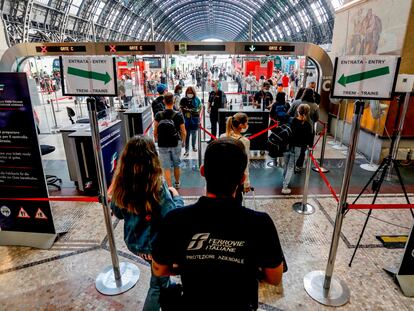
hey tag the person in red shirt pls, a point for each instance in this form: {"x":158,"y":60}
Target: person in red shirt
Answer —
{"x":285,"y":83}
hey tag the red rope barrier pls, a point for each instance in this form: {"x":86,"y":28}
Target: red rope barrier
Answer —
{"x":263,"y":131}
{"x":57,"y":199}
{"x":148,"y":128}
{"x":381,"y":206}
{"x":319,"y":138}
{"x":207,"y":132}
{"x":324,"y":178}
{"x":61,"y":98}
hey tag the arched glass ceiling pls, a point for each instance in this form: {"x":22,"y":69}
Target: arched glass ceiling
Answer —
{"x":178,"y":20}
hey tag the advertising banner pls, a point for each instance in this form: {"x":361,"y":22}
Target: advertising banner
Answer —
{"x":21,"y":172}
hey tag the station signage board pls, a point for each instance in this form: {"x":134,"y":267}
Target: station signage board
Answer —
{"x":115,"y":48}
{"x":60,"y":48}
{"x":88,"y":76}
{"x":365,"y":76}
{"x":25,"y":213}
{"x":269,"y":48}
{"x":200,"y":48}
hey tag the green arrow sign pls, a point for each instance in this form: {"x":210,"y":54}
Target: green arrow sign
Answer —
{"x":363,"y":75}
{"x":89,"y":74}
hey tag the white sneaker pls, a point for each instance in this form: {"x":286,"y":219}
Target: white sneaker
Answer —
{"x":286,"y":191}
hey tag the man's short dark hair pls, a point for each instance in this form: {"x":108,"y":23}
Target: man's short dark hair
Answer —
{"x":169,"y":98}
{"x":225,"y":161}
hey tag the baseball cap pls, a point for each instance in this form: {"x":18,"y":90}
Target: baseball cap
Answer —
{"x":161,"y":88}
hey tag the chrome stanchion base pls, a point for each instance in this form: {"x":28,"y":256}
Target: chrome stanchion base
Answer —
{"x":323,"y":169}
{"x":105,"y":282}
{"x":272,"y":163}
{"x":306,"y":209}
{"x":369,"y":167}
{"x":339,"y":147}
{"x":337,"y":295}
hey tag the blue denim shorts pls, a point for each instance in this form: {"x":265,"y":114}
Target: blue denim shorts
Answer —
{"x":170,"y":156}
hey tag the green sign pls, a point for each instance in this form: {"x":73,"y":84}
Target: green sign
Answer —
{"x":105,"y":77}
{"x":344,"y":80}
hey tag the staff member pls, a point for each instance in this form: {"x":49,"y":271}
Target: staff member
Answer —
{"x":216,"y":100}
{"x":263,"y":98}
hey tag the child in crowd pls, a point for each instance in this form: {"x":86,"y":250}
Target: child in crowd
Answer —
{"x":142,"y":198}
{"x":236,"y":126}
{"x":302,"y":136}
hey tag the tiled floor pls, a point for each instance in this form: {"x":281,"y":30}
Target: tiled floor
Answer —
{"x":62,"y":278}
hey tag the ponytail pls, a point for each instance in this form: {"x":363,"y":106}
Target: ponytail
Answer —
{"x":229,"y":126}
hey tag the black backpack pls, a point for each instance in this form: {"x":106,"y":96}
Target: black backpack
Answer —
{"x":278,"y":141}
{"x":167,"y":132}
{"x":158,"y":105}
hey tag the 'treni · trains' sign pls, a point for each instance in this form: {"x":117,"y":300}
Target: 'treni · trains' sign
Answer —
{"x":365,"y":77}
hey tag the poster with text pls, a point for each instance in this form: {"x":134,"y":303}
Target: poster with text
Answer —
{"x":21,"y":171}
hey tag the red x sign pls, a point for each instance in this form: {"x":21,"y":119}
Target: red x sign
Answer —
{"x":44,"y":49}
{"x":112,"y":49}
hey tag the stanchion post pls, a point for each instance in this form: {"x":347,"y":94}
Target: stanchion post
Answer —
{"x":199,"y":142}
{"x":321,"y":285}
{"x":49,"y":101}
{"x":304,"y":207}
{"x":323,"y":148}
{"x":57,"y":104}
{"x":118,"y":278}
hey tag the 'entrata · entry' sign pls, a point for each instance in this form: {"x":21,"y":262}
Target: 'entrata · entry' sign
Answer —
{"x":87,"y":76}
{"x":365,"y":77}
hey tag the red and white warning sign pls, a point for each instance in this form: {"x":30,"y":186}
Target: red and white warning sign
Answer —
{"x":22,"y":214}
{"x":40,"y":214}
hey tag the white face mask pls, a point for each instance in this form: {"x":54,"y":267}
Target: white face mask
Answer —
{"x":190,"y":95}
{"x":244,"y":130}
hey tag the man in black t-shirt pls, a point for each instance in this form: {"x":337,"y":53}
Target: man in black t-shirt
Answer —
{"x":169,"y":132}
{"x":216,"y":100}
{"x":220,"y":248}
{"x":263,"y":99}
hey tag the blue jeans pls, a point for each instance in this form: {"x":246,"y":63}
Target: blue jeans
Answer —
{"x":152,"y":302}
{"x":193,"y":134}
{"x":290,"y":160}
{"x":170,"y":156}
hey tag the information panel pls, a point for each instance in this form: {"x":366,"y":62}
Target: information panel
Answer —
{"x":365,"y":77}
{"x":88,"y":76}
{"x":21,"y":171}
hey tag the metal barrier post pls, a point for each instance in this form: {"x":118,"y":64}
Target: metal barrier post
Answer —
{"x":55,"y":127}
{"x":318,"y":283}
{"x":304,"y":207}
{"x":119,"y":277}
{"x":341,"y":145}
{"x":322,"y":156}
{"x":199,"y":142}
{"x":57,"y":104}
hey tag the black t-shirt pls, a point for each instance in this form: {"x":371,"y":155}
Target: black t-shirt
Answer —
{"x":302,"y":134}
{"x":264,"y":98}
{"x":168,"y":114}
{"x":217,"y":100}
{"x":219,"y":246}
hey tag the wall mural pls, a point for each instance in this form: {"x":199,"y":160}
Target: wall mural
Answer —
{"x":371,"y":27}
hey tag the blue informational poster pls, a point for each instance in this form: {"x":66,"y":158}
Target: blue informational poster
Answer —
{"x":21,"y":170}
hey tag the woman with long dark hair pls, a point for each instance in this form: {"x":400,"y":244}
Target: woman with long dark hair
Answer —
{"x":142,"y":198}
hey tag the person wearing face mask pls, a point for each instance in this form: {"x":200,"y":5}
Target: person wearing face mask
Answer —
{"x":216,"y":100}
{"x":236,"y":126}
{"x":178,"y":90}
{"x":263,"y":99}
{"x":190,"y":106}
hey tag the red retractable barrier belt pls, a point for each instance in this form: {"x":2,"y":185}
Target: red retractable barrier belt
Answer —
{"x":381,"y":206}
{"x":148,"y":128}
{"x":324,"y":178}
{"x":55,"y":199}
{"x":264,"y":131}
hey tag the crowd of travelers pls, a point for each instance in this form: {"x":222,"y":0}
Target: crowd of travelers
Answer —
{"x":219,"y":248}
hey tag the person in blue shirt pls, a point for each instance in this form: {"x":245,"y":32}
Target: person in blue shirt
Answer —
{"x":141,"y":197}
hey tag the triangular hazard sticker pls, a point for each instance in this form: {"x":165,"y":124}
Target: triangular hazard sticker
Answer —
{"x":23,"y":214}
{"x":40,"y":214}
